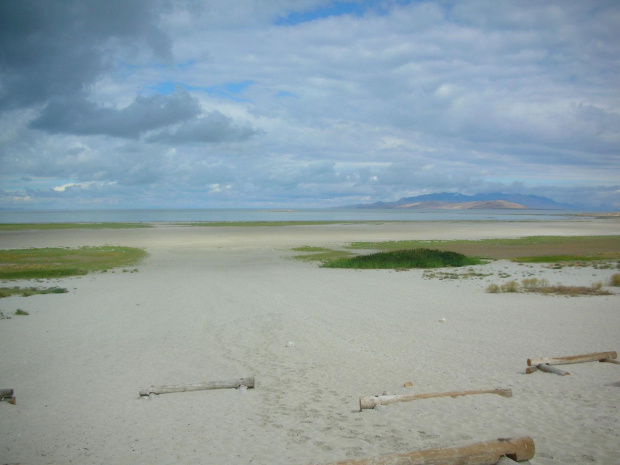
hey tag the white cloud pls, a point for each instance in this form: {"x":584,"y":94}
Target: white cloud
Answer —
{"x":407,"y":97}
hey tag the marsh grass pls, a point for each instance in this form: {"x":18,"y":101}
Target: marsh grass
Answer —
{"x":615,"y":280}
{"x":542,"y":286}
{"x":49,"y":226}
{"x":319,"y":254}
{"x":28,"y":291}
{"x":39,"y":263}
{"x":532,"y":249}
{"x":404,"y":259}
{"x":264,"y":223}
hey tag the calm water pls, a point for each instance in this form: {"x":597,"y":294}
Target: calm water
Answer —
{"x":106,"y":216}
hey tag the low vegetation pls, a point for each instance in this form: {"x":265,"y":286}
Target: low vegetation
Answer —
{"x":532,"y":249}
{"x":615,"y":280}
{"x":262,"y":223}
{"x":38,"y":263}
{"x":542,"y":286}
{"x":28,"y":291}
{"x":404,"y":259}
{"x":48,"y":226}
{"x":319,"y":254}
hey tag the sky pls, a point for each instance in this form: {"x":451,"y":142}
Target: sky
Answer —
{"x":306,"y":103}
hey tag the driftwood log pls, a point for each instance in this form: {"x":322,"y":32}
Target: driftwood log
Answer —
{"x":480,"y":453}
{"x":547,"y":368}
{"x":7,"y":395}
{"x":598,"y":356}
{"x":233,"y":383}
{"x":610,"y":360}
{"x":368,"y":402}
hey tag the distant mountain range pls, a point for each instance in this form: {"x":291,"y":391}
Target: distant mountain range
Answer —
{"x":451,"y":201}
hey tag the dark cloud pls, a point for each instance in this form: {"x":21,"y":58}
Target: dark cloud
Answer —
{"x":143,"y":114}
{"x":212,"y":128}
{"x":59,"y":48}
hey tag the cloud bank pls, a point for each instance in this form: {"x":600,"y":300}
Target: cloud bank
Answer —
{"x":309,"y":103}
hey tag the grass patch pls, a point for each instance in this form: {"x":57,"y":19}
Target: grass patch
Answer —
{"x":39,"y":263}
{"x":404,"y":259}
{"x":47,"y":226}
{"x":28,"y":291}
{"x":542,"y":286}
{"x":21,"y":312}
{"x":319,"y":254}
{"x":615,"y":280}
{"x":568,"y":248}
{"x":265,"y":223}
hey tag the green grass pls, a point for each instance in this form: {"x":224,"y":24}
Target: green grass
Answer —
{"x":404,"y":259}
{"x":532,"y":249}
{"x":48,"y":226}
{"x":319,"y":254}
{"x":567,"y":258}
{"x":28,"y":291}
{"x":37,"y":263}
{"x":265,"y":223}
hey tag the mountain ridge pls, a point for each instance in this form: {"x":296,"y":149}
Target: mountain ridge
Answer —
{"x":451,"y":200}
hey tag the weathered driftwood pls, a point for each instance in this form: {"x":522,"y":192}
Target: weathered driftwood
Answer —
{"x":572,"y":359}
{"x":233,"y":383}
{"x":367,"y":402}
{"x":480,"y":453}
{"x":610,"y":360}
{"x":548,"y":368}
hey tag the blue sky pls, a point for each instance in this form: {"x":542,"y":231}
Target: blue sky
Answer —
{"x":306,"y":103}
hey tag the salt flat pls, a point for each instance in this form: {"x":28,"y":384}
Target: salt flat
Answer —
{"x":219,"y":303}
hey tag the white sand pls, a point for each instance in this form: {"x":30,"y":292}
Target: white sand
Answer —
{"x":219,"y":303}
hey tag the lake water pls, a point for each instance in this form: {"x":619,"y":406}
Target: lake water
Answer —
{"x":169,"y":215}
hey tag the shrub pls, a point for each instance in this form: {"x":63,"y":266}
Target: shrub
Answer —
{"x":492,"y":288}
{"x":615,"y":280}
{"x":510,"y":286}
{"x":19,"y":311}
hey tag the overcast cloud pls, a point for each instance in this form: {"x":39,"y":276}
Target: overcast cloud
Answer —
{"x":306,"y":103}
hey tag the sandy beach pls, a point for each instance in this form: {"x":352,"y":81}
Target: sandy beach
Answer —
{"x":229,"y":302}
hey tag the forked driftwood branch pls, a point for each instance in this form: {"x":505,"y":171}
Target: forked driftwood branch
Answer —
{"x":595,"y":357}
{"x":368,"y":402}
{"x":233,"y":383}
{"x":480,"y":453}
{"x":544,"y":364}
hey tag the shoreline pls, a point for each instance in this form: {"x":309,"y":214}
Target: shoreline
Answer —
{"x":222,"y":303}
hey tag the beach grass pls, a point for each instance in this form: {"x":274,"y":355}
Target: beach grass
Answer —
{"x":532,"y":249}
{"x":265,"y":223}
{"x":50,"y":226}
{"x":542,"y":286}
{"x":37,"y":263}
{"x":404,"y":259}
{"x":319,"y":254}
{"x":28,"y":291}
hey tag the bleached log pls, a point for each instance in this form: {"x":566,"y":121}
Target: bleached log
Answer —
{"x":233,"y":383}
{"x":572,"y":359}
{"x":480,"y":453}
{"x":610,"y":360}
{"x":368,"y":402}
